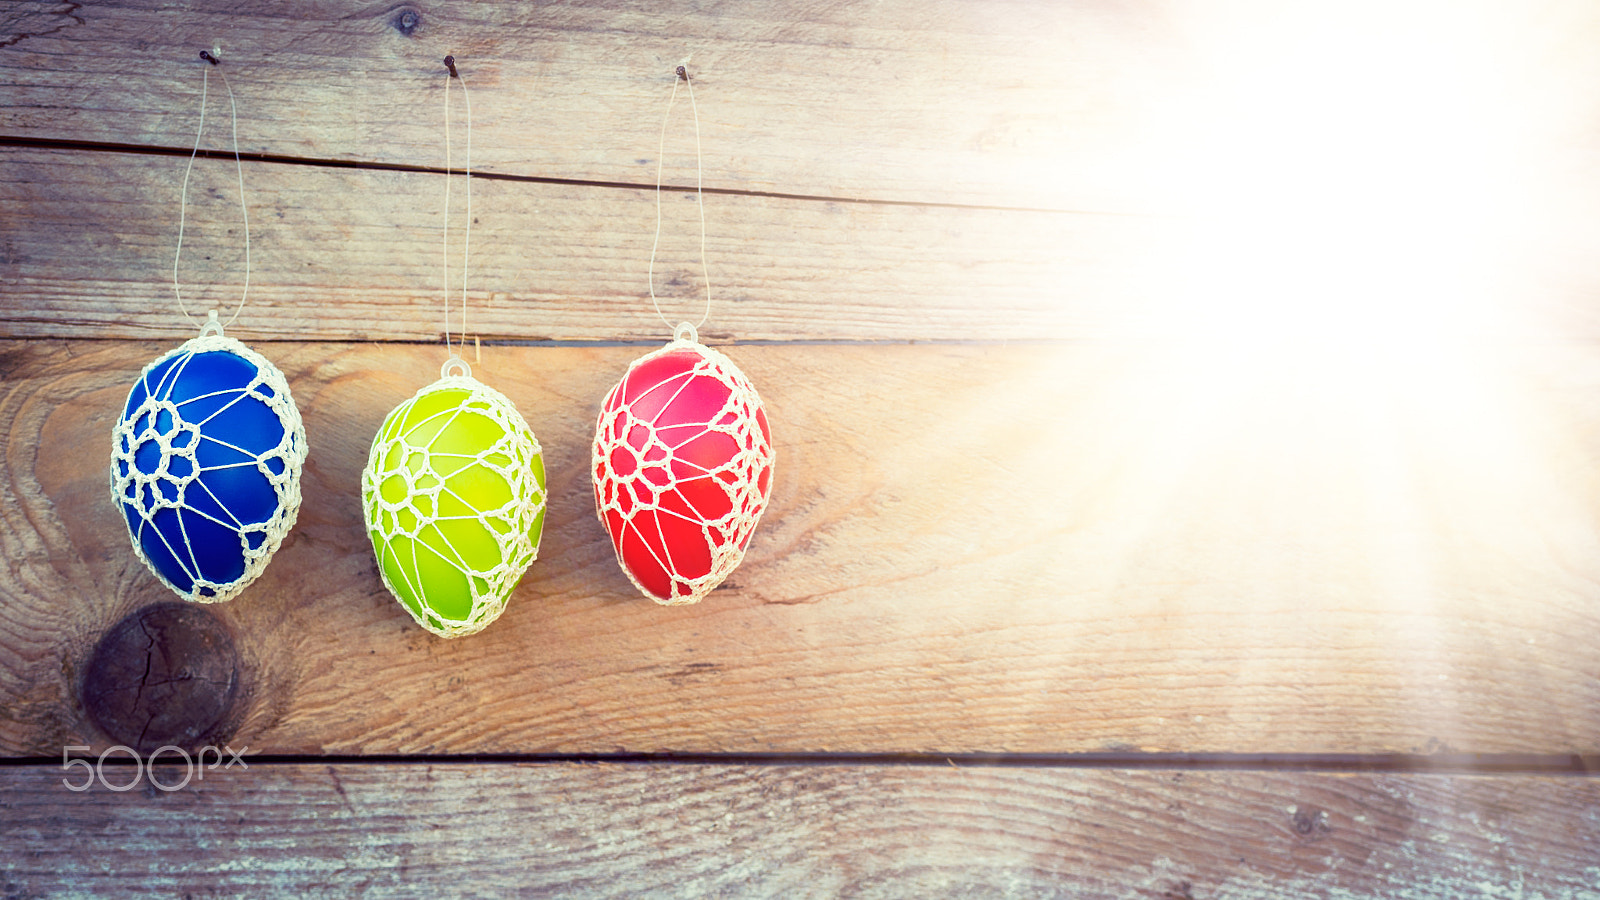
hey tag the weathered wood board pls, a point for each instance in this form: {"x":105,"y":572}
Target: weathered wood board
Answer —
{"x":1023,"y":549}
{"x":349,"y":254}
{"x":1259,"y":421}
{"x":1086,"y":106}
{"x":381,"y":830}
{"x":357,"y":254}
{"x":957,"y":102}
{"x":1449,"y":176}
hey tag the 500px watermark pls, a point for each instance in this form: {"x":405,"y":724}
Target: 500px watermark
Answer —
{"x":192,"y":767}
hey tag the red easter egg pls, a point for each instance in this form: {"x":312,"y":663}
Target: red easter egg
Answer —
{"x":682,"y":467}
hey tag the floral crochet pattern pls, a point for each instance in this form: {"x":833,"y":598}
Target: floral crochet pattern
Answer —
{"x":205,"y":466}
{"x":454,"y":499}
{"x":682,"y":465}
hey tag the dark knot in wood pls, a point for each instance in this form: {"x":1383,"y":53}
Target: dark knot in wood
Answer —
{"x":1310,"y":822}
{"x":165,"y":674}
{"x":406,"y":21}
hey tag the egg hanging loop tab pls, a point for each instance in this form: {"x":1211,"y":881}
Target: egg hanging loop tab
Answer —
{"x":455,"y":365}
{"x":212,"y":325}
{"x":686,"y":332}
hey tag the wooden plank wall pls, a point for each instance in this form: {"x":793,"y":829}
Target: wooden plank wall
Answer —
{"x":1186,"y":418}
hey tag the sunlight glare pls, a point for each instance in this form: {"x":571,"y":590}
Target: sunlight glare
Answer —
{"x":1348,"y":177}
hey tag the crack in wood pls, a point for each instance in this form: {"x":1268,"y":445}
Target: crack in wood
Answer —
{"x":68,"y":10}
{"x":375,"y":166}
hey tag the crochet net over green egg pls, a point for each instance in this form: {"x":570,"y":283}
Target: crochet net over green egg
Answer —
{"x":454,"y":499}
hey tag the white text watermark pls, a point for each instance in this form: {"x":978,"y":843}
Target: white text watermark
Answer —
{"x":192,"y":767}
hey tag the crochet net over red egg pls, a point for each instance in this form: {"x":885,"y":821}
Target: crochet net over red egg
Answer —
{"x":682,"y":468}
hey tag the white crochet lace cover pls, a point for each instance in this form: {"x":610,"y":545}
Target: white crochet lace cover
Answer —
{"x":634,"y":459}
{"x":159,"y":420}
{"x":411,"y":485}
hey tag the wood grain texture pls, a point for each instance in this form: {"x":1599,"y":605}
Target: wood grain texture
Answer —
{"x":985,"y":549}
{"x":954,"y":102}
{"x":88,"y":238}
{"x":801,"y":831}
{"x":1296,"y":470}
{"x":1449,"y":178}
{"x":87,"y":243}
{"x":1086,"y":106}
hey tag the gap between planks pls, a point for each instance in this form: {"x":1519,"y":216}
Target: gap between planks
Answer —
{"x":1550,"y":764}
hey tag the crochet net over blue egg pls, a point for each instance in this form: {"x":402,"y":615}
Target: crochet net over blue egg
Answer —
{"x":206,"y":463}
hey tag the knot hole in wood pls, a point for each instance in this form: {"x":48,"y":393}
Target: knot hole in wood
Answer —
{"x":1310,"y":822}
{"x":406,"y":20}
{"x":167,"y":674}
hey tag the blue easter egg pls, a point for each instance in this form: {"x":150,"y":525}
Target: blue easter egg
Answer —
{"x":205,"y":464}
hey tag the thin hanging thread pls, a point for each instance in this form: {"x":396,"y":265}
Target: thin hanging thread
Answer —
{"x":466,"y":240}
{"x":683,"y":76}
{"x":183,"y":198}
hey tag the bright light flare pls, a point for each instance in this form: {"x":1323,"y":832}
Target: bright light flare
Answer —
{"x":1354,"y":173}
{"x":1342,"y":410}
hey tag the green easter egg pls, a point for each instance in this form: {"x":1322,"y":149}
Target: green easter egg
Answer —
{"x":453,"y":496}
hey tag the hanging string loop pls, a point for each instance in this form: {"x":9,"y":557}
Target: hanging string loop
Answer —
{"x":699,"y":190}
{"x":455,"y":364}
{"x":212,"y":325}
